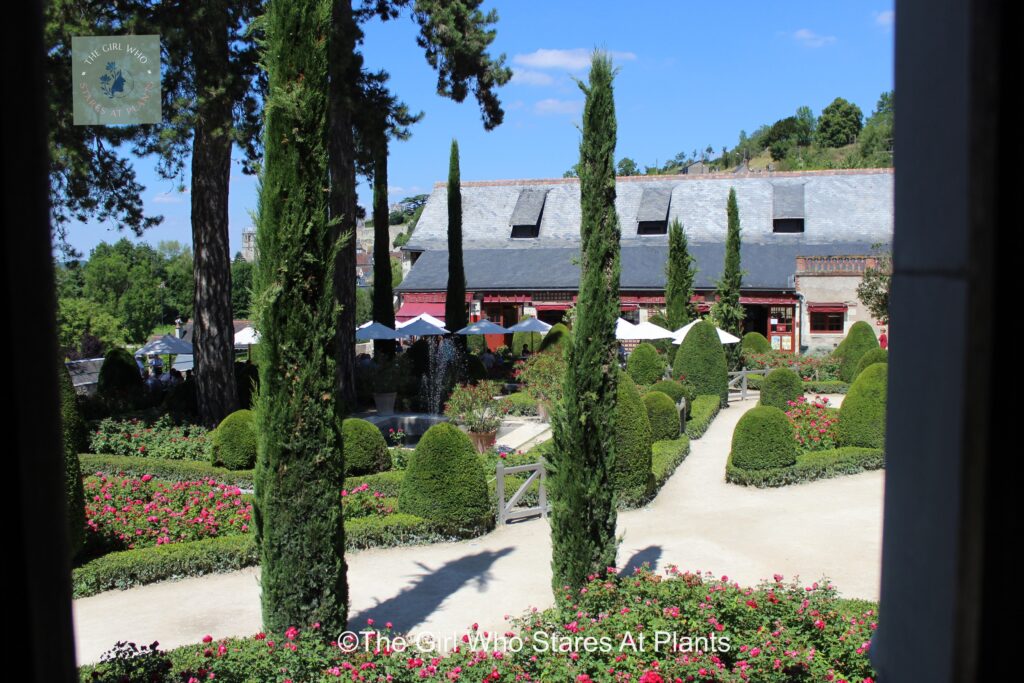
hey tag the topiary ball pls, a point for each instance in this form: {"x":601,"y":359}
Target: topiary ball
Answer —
{"x":672,"y":388}
{"x":234,"y":441}
{"x":780,"y":387}
{"x":645,"y":365}
{"x":73,"y":431}
{"x":119,"y":374}
{"x":632,"y":471}
{"x":663,"y":415}
{"x":858,"y":341}
{"x":870,"y":358}
{"x":763,"y":440}
{"x":701,"y":361}
{"x":556,"y":338}
{"x":755,"y":342}
{"x":862,"y":414}
{"x":444,"y":482}
{"x":364,"y":448}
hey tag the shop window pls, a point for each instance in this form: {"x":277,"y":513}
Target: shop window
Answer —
{"x":827,"y":323}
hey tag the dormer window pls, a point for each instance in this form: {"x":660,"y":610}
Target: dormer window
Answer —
{"x":527,"y":215}
{"x":652,"y":215}
{"x":788,"y":208}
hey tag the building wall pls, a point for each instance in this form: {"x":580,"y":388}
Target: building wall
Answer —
{"x":831,"y":289}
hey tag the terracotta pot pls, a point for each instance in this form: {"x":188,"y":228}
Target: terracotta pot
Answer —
{"x":483,"y":440}
{"x":385,"y":403}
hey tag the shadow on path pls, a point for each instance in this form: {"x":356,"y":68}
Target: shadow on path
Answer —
{"x":649,"y":555}
{"x":417,"y":602}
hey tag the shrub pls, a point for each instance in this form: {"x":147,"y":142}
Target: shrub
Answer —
{"x":543,"y":375}
{"x":780,"y":387}
{"x":247,"y":380}
{"x":364,"y":448}
{"x":763,"y":439}
{"x":234,"y":441}
{"x":475,"y":370}
{"x":476,"y":344}
{"x":445,"y":483}
{"x":870,"y":358}
{"x":631,"y":474}
{"x":701,"y":415}
{"x":701,"y":361}
{"x":645,"y":365}
{"x":666,"y":457}
{"x":862,"y":415}
{"x":161,"y":439}
{"x":531,"y":340}
{"x":521,"y":403}
{"x":662,"y":414}
{"x":815,"y":424}
{"x":119,"y":374}
{"x":809,"y":467}
{"x":755,"y":342}
{"x":170,"y":470}
{"x":73,"y":441}
{"x":556,"y":338}
{"x":858,"y":341}
{"x":181,"y":400}
{"x":670,"y":387}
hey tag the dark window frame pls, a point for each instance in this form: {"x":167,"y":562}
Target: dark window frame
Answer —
{"x":829,"y":316}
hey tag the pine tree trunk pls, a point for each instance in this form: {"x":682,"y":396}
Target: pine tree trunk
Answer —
{"x":343,"y":68}
{"x":383,"y":296}
{"x":213,"y":332}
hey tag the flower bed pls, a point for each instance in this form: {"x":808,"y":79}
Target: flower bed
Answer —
{"x":161,"y":439}
{"x":815,"y":424}
{"x":810,"y":368}
{"x":823,"y":386}
{"x":171,"y":470}
{"x":646,"y":628}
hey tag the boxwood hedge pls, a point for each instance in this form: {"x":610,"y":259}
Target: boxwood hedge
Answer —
{"x":662,"y":414}
{"x":645,"y":365}
{"x":234,"y":441}
{"x":862,"y":414}
{"x":870,"y":358}
{"x":701,"y":361}
{"x":763,"y":439}
{"x":810,"y":466}
{"x":780,"y":387}
{"x":631,"y":475}
{"x":701,"y":415}
{"x":364,"y":447}
{"x":858,"y":341}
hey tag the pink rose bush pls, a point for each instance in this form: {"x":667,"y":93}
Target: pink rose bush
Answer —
{"x":361,"y":501}
{"x":162,"y":439}
{"x":815,"y":424}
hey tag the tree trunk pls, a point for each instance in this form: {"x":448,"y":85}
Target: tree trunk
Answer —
{"x":383,"y":296}
{"x":342,"y":71}
{"x":213,"y":335}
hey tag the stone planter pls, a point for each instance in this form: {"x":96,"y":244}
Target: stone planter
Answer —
{"x":483,"y":440}
{"x":385,"y":403}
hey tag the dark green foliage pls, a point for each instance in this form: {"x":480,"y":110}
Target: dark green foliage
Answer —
{"x":73,"y":433}
{"x":531,"y":340}
{"x":366,"y":451}
{"x":680,"y":271}
{"x":780,"y":387}
{"x":475,"y":370}
{"x":862,"y":414}
{"x":701,"y":362}
{"x":858,"y":341}
{"x":234,"y":441}
{"x":701,"y":415}
{"x":809,"y":467}
{"x":241,"y":287}
{"x":631,"y":474}
{"x":727,"y":310}
{"x":662,"y":414}
{"x":645,"y":365}
{"x":300,"y":467}
{"x":670,"y":387}
{"x":870,"y":358}
{"x":181,"y":401}
{"x":521,"y":403}
{"x":583,"y":515}
{"x":755,"y":342}
{"x":445,"y":482}
{"x":839,"y":124}
{"x":247,"y":380}
{"x":119,"y":375}
{"x":476,"y":344}
{"x":558,"y":337}
{"x":455,"y":301}
{"x":763,"y":439}
{"x":163,"y":468}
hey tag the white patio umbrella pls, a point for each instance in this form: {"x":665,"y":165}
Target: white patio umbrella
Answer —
{"x":247,"y":336}
{"x":374,"y":330}
{"x":426,"y":317}
{"x":648,"y":330}
{"x":625,"y":330}
{"x":167,"y":344}
{"x":420,"y":328}
{"x":530,"y":325}
{"x":482,"y":327}
{"x":723,"y":336}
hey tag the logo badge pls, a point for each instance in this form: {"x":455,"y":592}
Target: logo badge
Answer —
{"x":116,"y":79}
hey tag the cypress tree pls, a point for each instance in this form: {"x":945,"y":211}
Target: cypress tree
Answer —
{"x":455,"y":301}
{"x":583,"y":504}
{"x":728,"y":312}
{"x":74,"y":432}
{"x":679,"y":276}
{"x":299,"y":466}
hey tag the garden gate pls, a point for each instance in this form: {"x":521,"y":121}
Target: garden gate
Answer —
{"x":507,"y":511}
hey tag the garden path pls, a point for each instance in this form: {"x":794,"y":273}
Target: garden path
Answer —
{"x":831,"y":527}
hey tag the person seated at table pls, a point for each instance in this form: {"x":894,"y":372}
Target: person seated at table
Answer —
{"x":526,"y":350}
{"x":487,"y":358}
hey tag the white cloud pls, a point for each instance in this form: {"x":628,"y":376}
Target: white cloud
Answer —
{"x":170,"y":197}
{"x":528,"y":77}
{"x":885,"y":19}
{"x":576,"y":59}
{"x":558,"y":107}
{"x":809,"y":38}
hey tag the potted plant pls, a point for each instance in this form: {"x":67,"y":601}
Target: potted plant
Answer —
{"x":474,"y":407}
{"x":542,"y":375}
{"x":386,"y":377}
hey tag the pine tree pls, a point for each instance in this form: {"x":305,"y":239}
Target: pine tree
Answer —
{"x":679,"y":276}
{"x":728,"y":312}
{"x":455,"y":301}
{"x":583,"y":513}
{"x":299,"y":469}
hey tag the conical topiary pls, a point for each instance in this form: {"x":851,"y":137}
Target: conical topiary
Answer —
{"x":702,"y":362}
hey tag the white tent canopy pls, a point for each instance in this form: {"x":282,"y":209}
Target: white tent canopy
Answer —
{"x":247,"y":336}
{"x":421,"y":328}
{"x":167,"y":344}
{"x":482,"y":327}
{"x":530,"y":325}
{"x":723,"y":336}
{"x":424,"y":317}
{"x":648,"y":330}
{"x":625,"y":330}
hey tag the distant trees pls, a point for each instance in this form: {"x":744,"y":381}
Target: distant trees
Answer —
{"x":241,"y":287}
{"x":727,"y":311}
{"x":876,"y":285}
{"x":877,"y":137}
{"x":840,"y":124}
{"x":626,"y":167}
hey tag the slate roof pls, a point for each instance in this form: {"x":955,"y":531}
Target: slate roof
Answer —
{"x":766,"y":266}
{"x":845,"y":206}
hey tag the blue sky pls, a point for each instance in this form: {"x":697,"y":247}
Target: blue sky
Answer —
{"x":690,"y":74}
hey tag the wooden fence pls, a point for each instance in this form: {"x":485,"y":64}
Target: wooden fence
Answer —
{"x":507,"y":511}
{"x":738,"y":380}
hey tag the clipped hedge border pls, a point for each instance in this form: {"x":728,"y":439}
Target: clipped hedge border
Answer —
{"x":821,"y":386}
{"x":702,"y":414}
{"x":163,"y":468}
{"x":666,"y":455}
{"x":394,"y":530}
{"x":810,"y":466}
